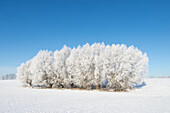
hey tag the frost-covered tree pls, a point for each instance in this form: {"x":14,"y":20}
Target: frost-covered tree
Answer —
{"x":61,"y":78}
{"x":73,"y":70}
{"x":42,"y":68}
{"x":24,"y":73}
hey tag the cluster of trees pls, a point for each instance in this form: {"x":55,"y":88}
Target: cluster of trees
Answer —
{"x":8,"y":77}
{"x":98,"y":66}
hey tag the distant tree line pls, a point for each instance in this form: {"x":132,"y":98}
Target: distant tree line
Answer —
{"x":159,"y":76}
{"x":8,"y":77}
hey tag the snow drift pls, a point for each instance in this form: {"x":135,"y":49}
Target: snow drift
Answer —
{"x":98,"y":66}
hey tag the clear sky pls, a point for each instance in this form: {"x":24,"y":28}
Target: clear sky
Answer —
{"x":27,"y":26}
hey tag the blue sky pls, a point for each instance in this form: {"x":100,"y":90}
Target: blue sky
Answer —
{"x":27,"y":26}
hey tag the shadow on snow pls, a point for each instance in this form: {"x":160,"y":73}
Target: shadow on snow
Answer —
{"x":141,"y":85}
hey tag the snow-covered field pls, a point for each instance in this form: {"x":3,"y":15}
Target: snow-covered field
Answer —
{"x":152,"y":98}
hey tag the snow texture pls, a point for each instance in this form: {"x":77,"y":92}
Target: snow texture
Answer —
{"x":154,"y":97}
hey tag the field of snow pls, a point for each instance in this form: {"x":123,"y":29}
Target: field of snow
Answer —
{"x":152,"y":98}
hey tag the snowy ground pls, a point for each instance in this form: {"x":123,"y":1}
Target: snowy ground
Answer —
{"x":152,"y":98}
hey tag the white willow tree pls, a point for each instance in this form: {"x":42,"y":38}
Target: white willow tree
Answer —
{"x":60,"y":68}
{"x":73,"y":70}
{"x":24,"y":74}
{"x":42,"y":68}
{"x":99,"y":66}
